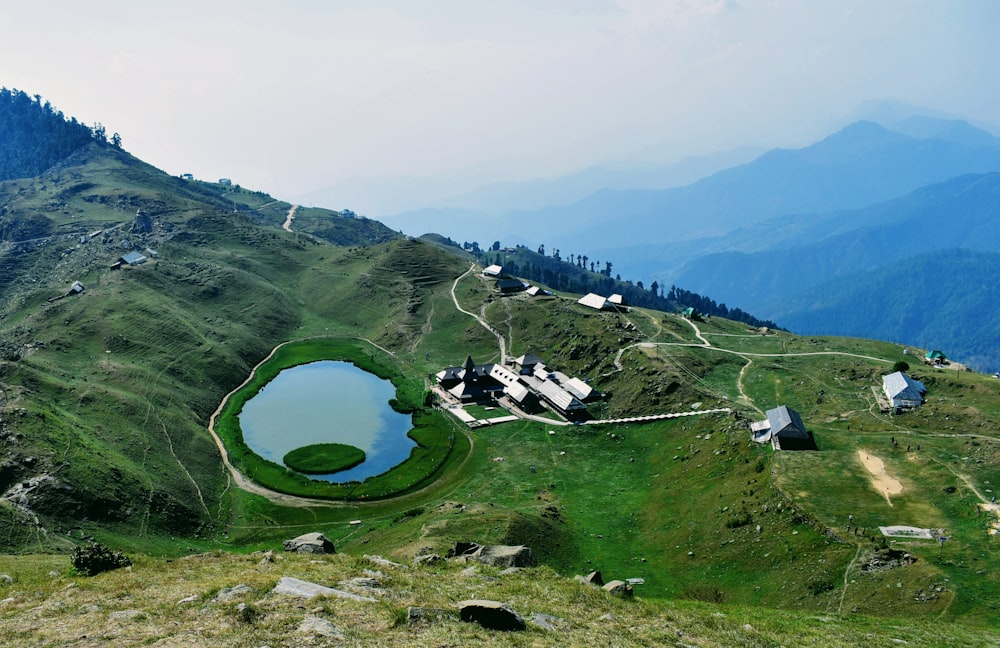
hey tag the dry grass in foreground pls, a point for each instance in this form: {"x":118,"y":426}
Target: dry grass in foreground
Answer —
{"x":227,"y":600}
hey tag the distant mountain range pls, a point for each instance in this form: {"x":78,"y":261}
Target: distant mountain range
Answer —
{"x":859,"y":165}
{"x":919,"y":269}
{"x":766,"y":234}
{"x":945,"y":299}
{"x":421,"y":205}
{"x":961,"y":213}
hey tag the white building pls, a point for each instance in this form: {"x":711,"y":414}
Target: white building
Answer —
{"x":595,"y":301}
{"x":902,"y":391}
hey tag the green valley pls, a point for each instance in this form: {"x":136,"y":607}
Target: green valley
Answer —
{"x":107,"y":394}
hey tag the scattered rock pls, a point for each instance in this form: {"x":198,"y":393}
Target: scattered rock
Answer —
{"x":427,"y":559}
{"x":227,"y":594}
{"x":594,"y":578}
{"x":5,"y":579}
{"x":492,"y":615}
{"x":268,"y":557}
{"x":379,"y":560}
{"x":305,"y":589}
{"x":886,"y":559}
{"x":416,"y":614}
{"x":496,"y":555}
{"x":545,"y":621}
{"x":317,"y":626}
{"x":463,"y":549}
{"x":187,"y":599}
{"x":315,"y":543}
{"x":510,"y":570}
{"x":618,"y":588}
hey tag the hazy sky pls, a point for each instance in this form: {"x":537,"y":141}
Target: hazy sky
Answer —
{"x":295,"y":96}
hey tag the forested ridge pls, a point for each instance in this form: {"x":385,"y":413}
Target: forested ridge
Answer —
{"x":34,"y":135}
{"x":578,"y":274}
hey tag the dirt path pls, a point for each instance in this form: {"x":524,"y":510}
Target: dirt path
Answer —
{"x":985,"y":504}
{"x":847,"y":575}
{"x":501,"y":341}
{"x":880,"y":479}
{"x":238,"y":478}
{"x":283,"y":499}
{"x":697,"y":332}
{"x":287,"y":225}
{"x":744,"y":397}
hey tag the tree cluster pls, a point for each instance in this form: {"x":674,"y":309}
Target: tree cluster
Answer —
{"x":578,"y":274}
{"x":34,"y":136}
{"x":707,"y":306}
{"x":97,"y":558}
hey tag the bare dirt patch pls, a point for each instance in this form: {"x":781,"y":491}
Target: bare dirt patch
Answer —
{"x":886,"y":485}
{"x":995,"y":510}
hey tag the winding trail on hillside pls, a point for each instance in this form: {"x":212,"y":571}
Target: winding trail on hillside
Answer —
{"x":238,"y":478}
{"x":501,"y":341}
{"x":697,"y":332}
{"x":747,"y":354}
{"x":287,"y":225}
{"x":985,"y":504}
{"x":283,"y":499}
{"x":739,"y":386}
{"x":847,"y":575}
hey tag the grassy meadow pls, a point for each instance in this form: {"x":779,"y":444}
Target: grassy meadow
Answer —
{"x":107,"y":395}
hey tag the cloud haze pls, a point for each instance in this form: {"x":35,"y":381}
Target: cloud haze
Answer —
{"x":294,"y":97}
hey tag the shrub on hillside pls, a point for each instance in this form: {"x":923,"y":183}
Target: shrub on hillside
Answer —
{"x":97,"y":558}
{"x":821,"y":585}
{"x":738,"y":520}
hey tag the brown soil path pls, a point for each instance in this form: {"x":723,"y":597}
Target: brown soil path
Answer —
{"x":501,"y":341}
{"x":287,"y":225}
{"x":880,"y":479}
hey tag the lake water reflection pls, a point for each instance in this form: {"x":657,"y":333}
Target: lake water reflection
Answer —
{"x":328,"y":402}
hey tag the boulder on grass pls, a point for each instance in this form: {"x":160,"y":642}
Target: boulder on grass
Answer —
{"x":492,"y":615}
{"x":496,"y":555}
{"x":314,"y":543}
{"x":619,"y":588}
{"x":506,"y":556}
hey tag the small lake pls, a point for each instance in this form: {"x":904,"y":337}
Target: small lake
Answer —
{"x":328,"y":402}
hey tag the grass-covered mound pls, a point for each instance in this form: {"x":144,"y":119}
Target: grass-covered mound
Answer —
{"x":324,"y":458}
{"x":437,"y":444}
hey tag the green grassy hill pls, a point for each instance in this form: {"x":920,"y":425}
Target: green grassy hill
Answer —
{"x":105,"y":398}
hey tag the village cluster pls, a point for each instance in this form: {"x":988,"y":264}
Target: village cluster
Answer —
{"x":526,"y":384}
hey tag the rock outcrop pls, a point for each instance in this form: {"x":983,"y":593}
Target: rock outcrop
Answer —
{"x":315,"y":543}
{"x":304,"y":589}
{"x":490,"y":614}
{"x":496,"y":555}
